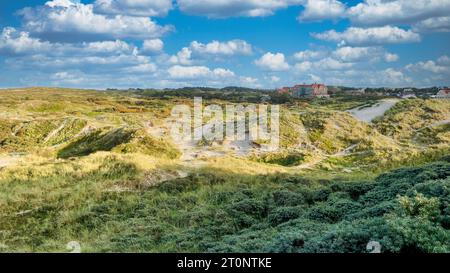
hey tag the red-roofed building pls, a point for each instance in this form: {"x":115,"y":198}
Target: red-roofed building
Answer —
{"x":443,"y":94}
{"x":306,"y":90}
{"x":284,"y":90}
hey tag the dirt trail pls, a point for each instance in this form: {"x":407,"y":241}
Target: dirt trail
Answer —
{"x":345,"y":152}
{"x":5,"y":161}
{"x":192,"y":152}
{"x":154,"y":130}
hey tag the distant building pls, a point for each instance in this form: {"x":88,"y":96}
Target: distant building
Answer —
{"x":409,"y":96}
{"x":356,"y":92}
{"x":284,"y":90}
{"x":306,"y":90}
{"x":443,"y":94}
{"x":265,"y":98}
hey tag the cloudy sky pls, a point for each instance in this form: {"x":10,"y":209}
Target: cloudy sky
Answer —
{"x":254,"y":43}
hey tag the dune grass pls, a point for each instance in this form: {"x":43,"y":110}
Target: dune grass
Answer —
{"x":87,"y":168}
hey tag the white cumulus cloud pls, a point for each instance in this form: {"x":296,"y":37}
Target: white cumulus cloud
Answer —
{"x":199,"y":51}
{"x":274,"y":79}
{"x":332,"y":64}
{"x":182,"y":57}
{"x":117,"y":46}
{"x":198,"y":72}
{"x":14,"y":42}
{"x":233,"y":47}
{"x":390,"y":57}
{"x":436,"y":67}
{"x":141,"y":8}
{"x":348,"y":53}
{"x":445,"y":60}
{"x":326,"y":64}
{"x":309,"y":55}
{"x":272,"y":62}
{"x":152,"y":46}
{"x":303,"y":66}
{"x":234,"y":8}
{"x":368,"y":36}
{"x":360,"y":54}
{"x":141,"y":68}
{"x":394,"y":77}
{"x":438,"y":24}
{"x":64,"y":19}
{"x":316,"y":10}
{"x":384,"y":12}
{"x":249,"y":82}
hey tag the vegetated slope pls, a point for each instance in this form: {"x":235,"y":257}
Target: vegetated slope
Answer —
{"x":93,"y":172}
{"x":313,"y":135}
{"x":408,"y":117}
{"x":344,"y":142}
{"x":435,"y":134}
{"x":333,"y":131}
{"x":68,"y":123}
{"x":30,"y":135}
{"x":120,"y":140}
{"x":406,"y":210}
{"x":325,"y":138}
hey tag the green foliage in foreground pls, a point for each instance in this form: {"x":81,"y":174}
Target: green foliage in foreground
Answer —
{"x":406,"y":210}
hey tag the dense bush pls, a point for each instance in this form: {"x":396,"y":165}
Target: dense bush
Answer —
{"x":284,"y":214}
{"x":406,"y":210}
{"x":287,"y":198}
{"x":345,"y":216}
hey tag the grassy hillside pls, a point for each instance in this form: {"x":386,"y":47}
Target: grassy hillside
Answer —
{"x":107,"y":204}
{"x":407,"y":118}
{"x":99,"y":168}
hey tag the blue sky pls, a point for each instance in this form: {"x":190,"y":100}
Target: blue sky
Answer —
{"x":265,"y":43}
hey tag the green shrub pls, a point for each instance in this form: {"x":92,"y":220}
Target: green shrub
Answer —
{"x":333,"y":211}
{"x":285,"y":214}
{"x":179,"y":185}
{"x":284,"y":158}
{"x":287,"y":198}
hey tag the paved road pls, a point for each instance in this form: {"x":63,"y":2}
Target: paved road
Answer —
{"x":368,"y":114}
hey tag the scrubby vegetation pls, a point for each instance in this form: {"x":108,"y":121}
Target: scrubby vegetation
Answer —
{"x":98,"y":168}
{"x":405,"y":210}
{"x":408,"y":117}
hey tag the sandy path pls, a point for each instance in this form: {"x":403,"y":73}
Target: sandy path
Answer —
{"x":6,"y":161}
{"x":310,"y":165}
{"x":192,"y":152}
